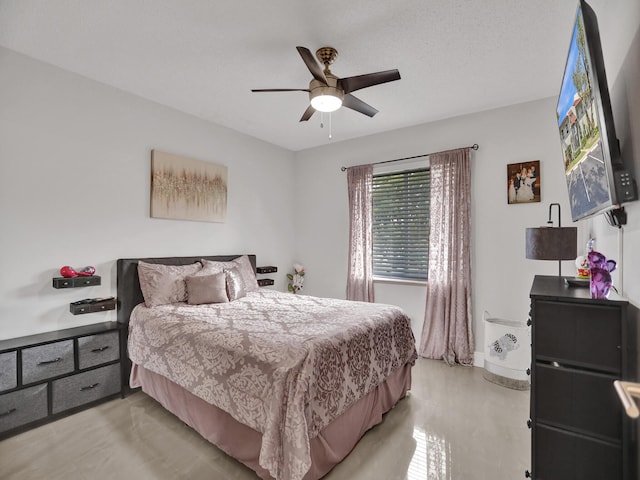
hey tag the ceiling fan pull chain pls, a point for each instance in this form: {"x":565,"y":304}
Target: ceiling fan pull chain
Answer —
{"x":329,"y":125}
{"x":321,"y":119}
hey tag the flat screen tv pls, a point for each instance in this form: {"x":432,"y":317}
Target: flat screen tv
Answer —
{"x":596,"y":178}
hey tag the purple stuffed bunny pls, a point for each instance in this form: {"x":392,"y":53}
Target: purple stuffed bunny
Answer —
{"x":601,"y":269}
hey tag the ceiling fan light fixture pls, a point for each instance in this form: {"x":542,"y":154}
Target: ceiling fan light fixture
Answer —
{"x":326,"y":103}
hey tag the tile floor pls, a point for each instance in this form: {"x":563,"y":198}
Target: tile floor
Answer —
{"x":454,"y":425}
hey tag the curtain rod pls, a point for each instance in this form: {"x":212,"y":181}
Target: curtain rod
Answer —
{"x":475,"y":146}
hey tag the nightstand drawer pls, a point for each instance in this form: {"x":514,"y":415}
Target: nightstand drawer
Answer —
{"x":580,"y":334}
{"x":22,"y":407}
{"x":97,"y":349}
{"x":86,"y":387}
{"x":577,"y":400}
{"x":8,"y":370}
{"x":47,"y":361}
{"x":565,"y":456}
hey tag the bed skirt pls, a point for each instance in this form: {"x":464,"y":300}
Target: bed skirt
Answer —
{"x":243,"y":443}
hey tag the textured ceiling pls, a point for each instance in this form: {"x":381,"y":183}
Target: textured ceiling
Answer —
{"x":204,"y":56}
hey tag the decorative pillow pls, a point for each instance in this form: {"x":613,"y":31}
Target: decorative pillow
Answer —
{"x":162,"y":284}
{"x":206,"y":289}
{"x":243,"y":264}
{"x":235,"y":285}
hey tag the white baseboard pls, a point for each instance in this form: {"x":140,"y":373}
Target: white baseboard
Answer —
{"x":478,"y":359}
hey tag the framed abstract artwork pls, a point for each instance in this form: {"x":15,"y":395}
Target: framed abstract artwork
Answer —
{"x":184,"y":188}
{"x":523,"y":182}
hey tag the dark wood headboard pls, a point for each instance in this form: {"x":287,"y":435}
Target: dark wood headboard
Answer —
{"x":128,"y":283}
{"x":130,"y":295}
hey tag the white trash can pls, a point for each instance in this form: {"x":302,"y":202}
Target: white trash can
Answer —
{"x":507,"y":357}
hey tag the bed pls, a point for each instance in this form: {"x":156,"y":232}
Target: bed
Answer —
{"x":286,"y":384}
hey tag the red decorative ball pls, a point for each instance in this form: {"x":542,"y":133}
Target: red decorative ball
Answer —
{"x":68,"y":272}
{"x":86,"y":271}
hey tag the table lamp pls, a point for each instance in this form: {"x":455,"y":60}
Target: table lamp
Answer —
{"x":552,"y":243}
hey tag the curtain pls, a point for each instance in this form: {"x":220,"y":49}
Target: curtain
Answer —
{"x":360,"y":273}
{"x":447,"y":331}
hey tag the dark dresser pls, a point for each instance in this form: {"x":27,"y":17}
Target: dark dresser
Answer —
{"x":50,"y":375}
{"x":579,"y":347}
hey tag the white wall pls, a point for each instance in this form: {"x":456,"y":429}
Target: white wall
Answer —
{"x":74,"y":190}
{"x":501,"y":275}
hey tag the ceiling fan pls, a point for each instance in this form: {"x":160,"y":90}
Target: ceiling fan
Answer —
{"x":328,"y":92}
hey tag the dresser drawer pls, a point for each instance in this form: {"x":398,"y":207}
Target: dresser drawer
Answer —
{"x":86,"y":387}
{"x":580,"y":334}
{"x":47,"y":361}
{"x":581,"y":401}
{"x":97,"y":349}
{"x":565,"y":456}
{"x":22,"y":407}
{"x":8,"y":370}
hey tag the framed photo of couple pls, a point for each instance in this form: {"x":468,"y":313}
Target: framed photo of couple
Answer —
{"x":523,"y":182}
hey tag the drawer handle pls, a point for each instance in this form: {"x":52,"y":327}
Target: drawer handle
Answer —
{"x":8,"y":412}
{"x":100,"y":349}
{"x":47,"y":362}
{"x":89,"y":387}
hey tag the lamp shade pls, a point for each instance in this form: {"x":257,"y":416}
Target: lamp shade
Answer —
{"x":552,"y":243}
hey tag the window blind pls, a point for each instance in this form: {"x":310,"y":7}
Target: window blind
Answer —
{"x":400,"y":228}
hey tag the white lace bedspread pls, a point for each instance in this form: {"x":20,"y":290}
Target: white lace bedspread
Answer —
{"x":285,"y":365}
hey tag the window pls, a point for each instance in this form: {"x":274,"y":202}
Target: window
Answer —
{"x":401,"y":224}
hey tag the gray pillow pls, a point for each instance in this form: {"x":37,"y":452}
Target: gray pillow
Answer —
{"x":206,"y":289}
{"x":243,"y":264}
{"x":162,"y":284}
{"x":235,"y":285}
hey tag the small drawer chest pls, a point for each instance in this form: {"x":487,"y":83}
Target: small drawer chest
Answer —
{"x":580,"y":346}
{"x":49,"y":375}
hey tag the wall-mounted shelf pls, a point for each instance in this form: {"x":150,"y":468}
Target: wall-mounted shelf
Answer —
{"x":265,"y":282}
{"x":92,"y":307}
{"x":63,"y":282}
{"x":269,"y":269}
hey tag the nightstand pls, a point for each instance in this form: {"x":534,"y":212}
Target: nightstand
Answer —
{"x":580,"y":346}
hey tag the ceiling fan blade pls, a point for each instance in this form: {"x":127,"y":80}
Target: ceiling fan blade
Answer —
{"x":311,"y":64}
{"x":358,"y":105}
{"x":280,"y":90}
{"x":307,"y":113}
{"x":351,"y":84}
